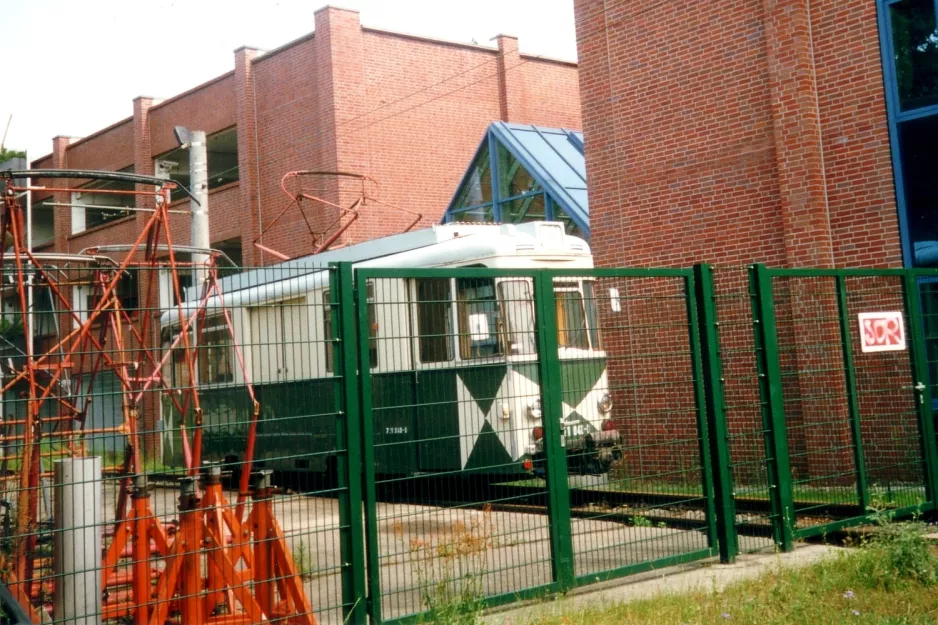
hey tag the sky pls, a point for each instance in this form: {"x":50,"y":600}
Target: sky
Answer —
{"x":87,"y":60}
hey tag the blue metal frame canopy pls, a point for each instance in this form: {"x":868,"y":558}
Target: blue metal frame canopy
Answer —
{"x":525,"y":173}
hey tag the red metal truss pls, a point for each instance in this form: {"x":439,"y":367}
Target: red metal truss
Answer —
{"x":215,"y":555}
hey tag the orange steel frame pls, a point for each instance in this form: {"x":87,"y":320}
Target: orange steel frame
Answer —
{"x":249,"y":575}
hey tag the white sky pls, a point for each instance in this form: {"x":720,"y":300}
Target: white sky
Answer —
{"x":87,"y":60}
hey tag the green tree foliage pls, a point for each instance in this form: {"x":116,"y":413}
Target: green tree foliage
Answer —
{"x":6,"y":154}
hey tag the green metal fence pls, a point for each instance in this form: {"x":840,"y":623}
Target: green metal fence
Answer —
{"x":460,"y":437}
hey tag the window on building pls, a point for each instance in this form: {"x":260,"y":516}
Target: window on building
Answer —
{"x":222,"y":152}
{"x":95,"y":203}
{"x":912,"y":38}
{"x":915,"y":45}
{"x":474,"y":199}
{"x":232,"y":249}
{"x":434,"y":319}
{"x":569,"y":225}
{"x":127,"y":290}
{"x":518,"y":308}
{"x":479,"y":323}
{"x":513,"y":179}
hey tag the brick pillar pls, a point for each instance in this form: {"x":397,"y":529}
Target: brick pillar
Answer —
{"x":797,"y":128}
{"x":62,"y":217}
{"x":339,"y":53}
{"x":510,"y":89}
{"x":817,"y":424}
{"x":149,"y":409}
{"x":247,"y":151}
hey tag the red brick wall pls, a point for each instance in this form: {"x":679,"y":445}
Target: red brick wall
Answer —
{"x":209,"y":107}
{"x":740,"y":132}
{"x":110,"y":149}
{"x":736,"y":132}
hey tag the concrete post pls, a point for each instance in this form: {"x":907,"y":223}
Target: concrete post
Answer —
{"x":198,"y":181}
{"x":77,"y":542}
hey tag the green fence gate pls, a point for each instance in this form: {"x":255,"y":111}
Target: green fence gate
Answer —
{"x":528,"y":431}
{"x":844,"y":383}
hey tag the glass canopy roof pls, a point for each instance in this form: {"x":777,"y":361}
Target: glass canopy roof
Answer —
{"x":525,"y":173}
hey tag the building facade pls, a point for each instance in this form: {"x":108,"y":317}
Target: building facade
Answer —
{"x":794,"y":133}
{"x":798,"y":134}
{"x":406,"y":111}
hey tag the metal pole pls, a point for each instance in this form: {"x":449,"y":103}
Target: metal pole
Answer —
{"x":77,"y":543}
{"x":198,"y":205}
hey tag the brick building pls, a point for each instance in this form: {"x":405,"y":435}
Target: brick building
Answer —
{"x":407,"y":111}
{"x":793,"y":133}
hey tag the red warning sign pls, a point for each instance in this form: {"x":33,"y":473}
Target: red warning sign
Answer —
{"x":882,"y":331}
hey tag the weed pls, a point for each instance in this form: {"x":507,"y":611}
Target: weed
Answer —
{"x":640,"y":521}
{"x":898,"y":553}
{"x":450,"y":570}
{"x":304,"y":561}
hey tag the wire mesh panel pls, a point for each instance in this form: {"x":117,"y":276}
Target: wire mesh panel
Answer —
{"x":744,"y":408}
{"x":851,"y":396}
{"x":451,"y":403}
{"x":632,"y":433}
{"x":187,"y":457}
{"x":887,"y":414}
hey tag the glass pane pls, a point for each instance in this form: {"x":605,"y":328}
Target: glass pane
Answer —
{"x":372,"y":325}
{"x":592,"y":321}
{"x":478,"y":318}
{"x":519,"y":316}
{"x":571,"y":325}
{"x":327,"y":331}
{"x":434,"y":320}
{"x":513,"y":178}
{"x":480,"y":214}
{"x":477,"y":188}
{"x":529,"y":208}
{"x":568,"y":224}
{"x":915,"y":44}
{"x":917,"y":149}
{"x":215,"y":353}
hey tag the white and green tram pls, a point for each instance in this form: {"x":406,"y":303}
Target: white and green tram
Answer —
{"x":453,"y":361}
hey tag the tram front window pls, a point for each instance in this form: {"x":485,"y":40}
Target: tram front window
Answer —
{"x":518,"y":311}
{"x":571,"y":319}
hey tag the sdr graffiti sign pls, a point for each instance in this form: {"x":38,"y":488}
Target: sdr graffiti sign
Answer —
{"x":882,"y":331}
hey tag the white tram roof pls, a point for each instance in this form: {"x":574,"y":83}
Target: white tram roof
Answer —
{"x":525,"y":245}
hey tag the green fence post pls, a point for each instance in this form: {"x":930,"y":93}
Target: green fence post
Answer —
{"x":770,"y":382}
{"x":922,"y":384}
{"x":715,"y":413}
{"x":853,"y":405}
{"x":551,"y":391}
{"x":348,"y":433}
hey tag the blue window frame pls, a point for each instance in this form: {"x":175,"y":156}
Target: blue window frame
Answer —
{"x":909,"y":45}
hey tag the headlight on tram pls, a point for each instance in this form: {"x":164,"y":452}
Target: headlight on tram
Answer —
{"x":534,"y":409}
{"x":605,"y":404}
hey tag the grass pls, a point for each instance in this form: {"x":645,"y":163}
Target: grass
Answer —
{"x":891,"y":580}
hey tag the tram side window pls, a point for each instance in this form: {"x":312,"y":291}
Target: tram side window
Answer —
{"x":327,"y":331}
{"x":329,"y":338}
{"x":592,"y":317}
{"x":519,"y":316}
{"x":434,"y":319}
{"x":215,"y":352}
{"x":571,"y":322}
{"x":479,"y":331}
